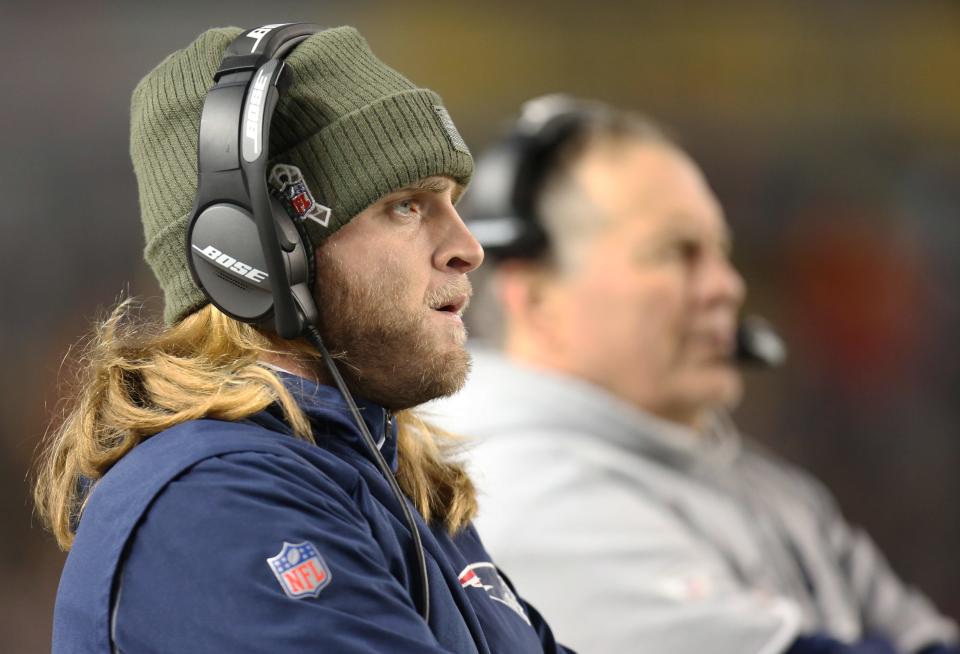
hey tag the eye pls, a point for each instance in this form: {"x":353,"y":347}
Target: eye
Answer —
{"x":409,"y":208}
{"x":687,"y":250}
{"x":681,"y":250}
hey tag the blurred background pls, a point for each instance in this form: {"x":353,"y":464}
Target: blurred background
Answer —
{"x":829,"y":130}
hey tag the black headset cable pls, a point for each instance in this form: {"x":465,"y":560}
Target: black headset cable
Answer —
{"x":314,"y":337}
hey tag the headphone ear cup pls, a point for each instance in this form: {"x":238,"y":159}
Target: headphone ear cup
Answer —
{"x":227,"y":262}
{"x":500,"y":208}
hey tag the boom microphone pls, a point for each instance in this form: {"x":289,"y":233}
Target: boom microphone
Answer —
{"x":758,"y":344}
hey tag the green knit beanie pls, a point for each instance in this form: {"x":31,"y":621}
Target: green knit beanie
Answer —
{"x":354,"y":127}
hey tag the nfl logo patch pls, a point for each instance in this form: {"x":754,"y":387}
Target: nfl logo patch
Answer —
{"x":290,"y":188}
{"x":300,"y":201}
{"x":300,"y":570}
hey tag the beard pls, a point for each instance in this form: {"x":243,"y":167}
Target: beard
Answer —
{"x":387,"y":352}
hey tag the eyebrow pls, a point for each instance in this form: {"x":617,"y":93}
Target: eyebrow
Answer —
{"x":724,"y":236}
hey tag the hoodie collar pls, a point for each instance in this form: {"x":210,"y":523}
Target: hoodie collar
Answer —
{"x":541,"y":400}
{"x":333,"y":423}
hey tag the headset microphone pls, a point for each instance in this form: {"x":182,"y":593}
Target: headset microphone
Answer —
{"x":759,"y":344}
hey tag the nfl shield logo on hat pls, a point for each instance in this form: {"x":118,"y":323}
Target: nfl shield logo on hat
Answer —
{"x":290,"y":188}
{"x":300,"y":570}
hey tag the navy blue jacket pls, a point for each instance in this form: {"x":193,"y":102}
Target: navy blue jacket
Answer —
{"x":237,"y":537}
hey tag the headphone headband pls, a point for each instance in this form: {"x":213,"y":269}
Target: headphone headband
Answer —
{"x":219,"y":137}
{"x":255,"y":47}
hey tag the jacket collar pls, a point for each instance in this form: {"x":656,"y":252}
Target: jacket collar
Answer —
{"x":333,"y":423}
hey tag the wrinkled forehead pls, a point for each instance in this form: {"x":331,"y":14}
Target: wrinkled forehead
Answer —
{"x":651,"y":182}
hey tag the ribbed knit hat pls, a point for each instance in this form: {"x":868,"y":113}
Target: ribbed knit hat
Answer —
{"x":355,"y":127}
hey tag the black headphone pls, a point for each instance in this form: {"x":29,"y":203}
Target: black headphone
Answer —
{"x":500,"y":207}
{"x":251,"y":259}
{"x":247,"y":255}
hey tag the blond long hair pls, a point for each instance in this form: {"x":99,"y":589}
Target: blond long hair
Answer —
{"x":135,"y":379}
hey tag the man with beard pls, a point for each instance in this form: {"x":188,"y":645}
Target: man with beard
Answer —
{"x":217,"y":491}
{"x":613,"y":487}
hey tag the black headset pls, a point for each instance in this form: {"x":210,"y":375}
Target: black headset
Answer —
{"x":251,"y":259}
{"x":501,"y":205}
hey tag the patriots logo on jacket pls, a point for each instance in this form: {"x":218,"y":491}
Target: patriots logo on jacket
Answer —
{"x":300,"y":570}
{"x":485,"y":576}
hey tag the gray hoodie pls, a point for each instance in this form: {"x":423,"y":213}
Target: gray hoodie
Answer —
{"x":633,"y":534}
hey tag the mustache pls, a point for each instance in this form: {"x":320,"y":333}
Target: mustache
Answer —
{"x":456,"y":290}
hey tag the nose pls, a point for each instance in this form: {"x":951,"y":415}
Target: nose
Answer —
{"x":721,"y":282}
{"x":458,"y":251}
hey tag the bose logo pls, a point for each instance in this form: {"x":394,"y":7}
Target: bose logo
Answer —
{"x":258,"y":34}
{"x":254,"y":111}
{"x":231,"y":264}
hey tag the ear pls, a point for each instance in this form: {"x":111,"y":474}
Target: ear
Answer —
{"x":533,"y":304}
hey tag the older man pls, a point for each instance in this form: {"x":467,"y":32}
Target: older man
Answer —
{"x":614,"y":489}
